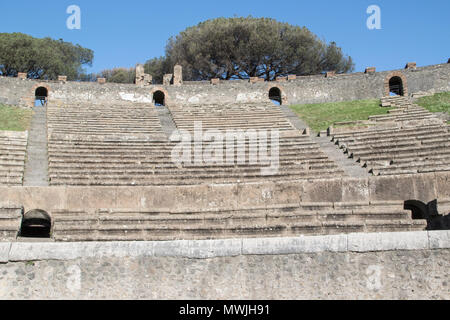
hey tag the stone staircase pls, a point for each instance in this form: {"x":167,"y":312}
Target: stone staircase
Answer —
{"x":36,"y":166}
{"x":114,"y":150}
{"x":235,"y":116}
{"x":104,"y":120}
{"x":149,"y":162}
{"x":408,"y":140}
{"x":165,"y":117}
{"x":13,"y":149}
{"x":10,"y":221}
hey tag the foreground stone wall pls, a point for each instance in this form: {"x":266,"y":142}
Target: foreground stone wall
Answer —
{"x":310,"y":89}
{"x":423,"y":187}
{"x":358,"y":266}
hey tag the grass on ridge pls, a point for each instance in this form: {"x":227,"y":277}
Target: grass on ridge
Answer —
{"x":14,"y":118}
{"x":439,"y":102}
{"x":321,"y":115}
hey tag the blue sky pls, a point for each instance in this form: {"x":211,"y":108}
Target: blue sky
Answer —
{"x":127,"y":32}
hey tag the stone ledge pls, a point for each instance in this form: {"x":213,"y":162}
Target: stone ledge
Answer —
{"x":305,"y":244}
{"x":414,"y":240}
{"x":204,"y":249}
{"x":439,"y":239}
{"x":5,"y":248}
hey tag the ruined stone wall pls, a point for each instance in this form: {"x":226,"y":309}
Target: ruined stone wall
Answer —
{"x":310,"y":89}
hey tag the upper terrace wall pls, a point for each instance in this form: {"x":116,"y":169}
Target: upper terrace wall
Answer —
{"x":310,"y":89}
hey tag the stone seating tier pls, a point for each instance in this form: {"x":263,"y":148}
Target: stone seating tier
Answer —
{"x":417,"y":143}
{"x":280,"y":220}
{"x":13,"y":147}
{"x":10,"y":221}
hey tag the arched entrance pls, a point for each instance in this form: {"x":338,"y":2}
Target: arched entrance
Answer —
{"x":396,"y":86}
{"x":40,"y":97}
{"x":159,"y":98}
{"x":275,"y":96}
{"x":36,"y":224}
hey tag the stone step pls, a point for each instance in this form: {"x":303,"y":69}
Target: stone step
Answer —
{"x":444,"y":158}
{"x":184,"y":174}
{"x":411,"y":169}
{"x":103,"y":230}
{"x":411,"y":155}
{"x":394,"y":150}
{"x":392,"y":134}
{"x":102,"y":181}
{"x":201,"y":172}
{"x":422,"y":138}
{"x":101,"y":165}
{"x":389,"y":131}
{"x":381,"y":146}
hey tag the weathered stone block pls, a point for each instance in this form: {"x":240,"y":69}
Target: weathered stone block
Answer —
{"x":307,"y":131}
{"x":101,"y":80}
{"x":62,"y":79}
{"x":413,"y":240}
{"x":396,"y":187}
{"x":439,"y":239}
{"x":330,"y":74}
{"x":425,"y":187}
{"x":287,"y":192}
{"x":275,"y":246}
{"x":167,"y":79}
{"x":281,"y":79}
{"x":323,"y":190}
{"x":256,"y":79}
{"x":197,"y":249}
{"x":222,"y":196}
{"x":128,"y":197}
{"x":4,"y":251}
{"x":411,"y":65}
{"x":177,"y":75}
{"x":139,"y":74}
{"x":292,"y":77}
{"x":22,"y":75}
{"x":330,"y":131}
{"x":355,"y":190}
{"x":259,"y":195}
{"x":443,"y":185}
{"x":91,"y":198}
{"x":215,"y":81}
{"x":148,"y":79}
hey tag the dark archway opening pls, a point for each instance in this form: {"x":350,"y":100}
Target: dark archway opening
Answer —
{"x":275,"y":96}
{"x":418,"y":209}
{"x":36,"y":224}
{"x":40,"y":97}
{"x":159,"y":98}
{"x":396,"y":86}
{"x":429,"y":212}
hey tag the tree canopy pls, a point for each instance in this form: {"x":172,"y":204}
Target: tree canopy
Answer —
{"x":42,"y":58}
{"x":239,"y":48}
{"x":119,"y":75}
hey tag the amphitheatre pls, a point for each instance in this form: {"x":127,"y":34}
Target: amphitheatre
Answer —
{"x":357,"y":211}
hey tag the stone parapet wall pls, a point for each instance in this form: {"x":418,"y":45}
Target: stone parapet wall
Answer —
{"x":422,"y":187}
